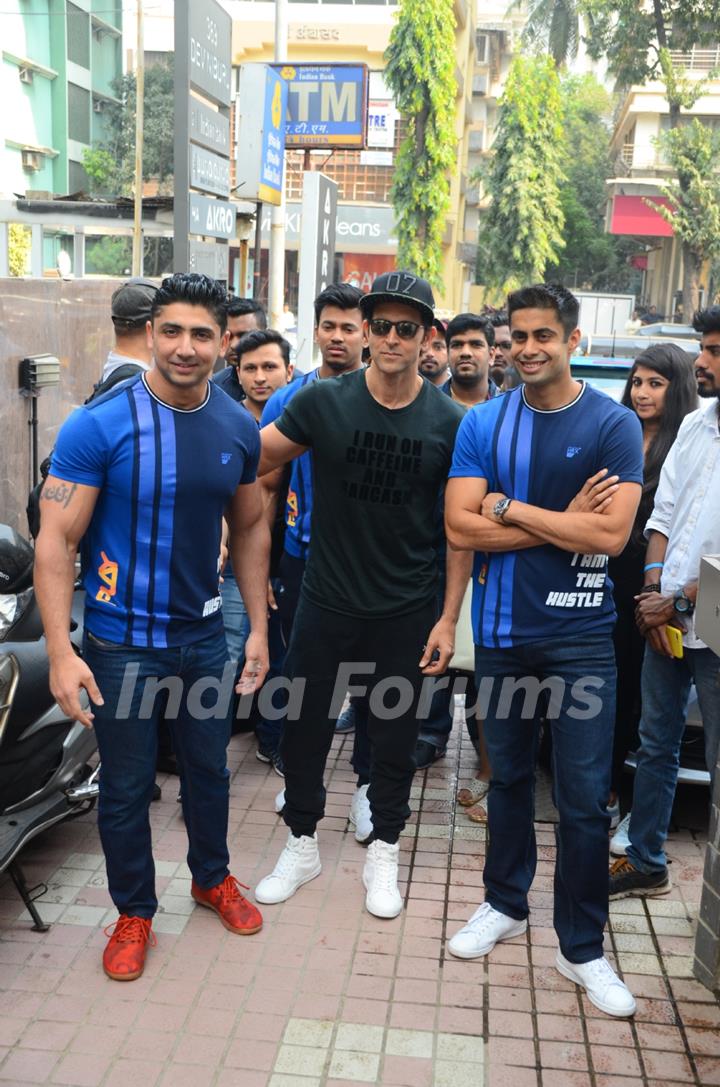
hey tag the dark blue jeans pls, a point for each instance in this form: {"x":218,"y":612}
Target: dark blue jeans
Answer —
{"x":665,"y":688}
{"x":126,"y":729}
{"x":578,"y":699}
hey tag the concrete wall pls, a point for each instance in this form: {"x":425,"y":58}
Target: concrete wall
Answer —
{"x":69,"y":319}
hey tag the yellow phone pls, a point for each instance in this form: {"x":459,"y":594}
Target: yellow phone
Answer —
{"x":675,"y":637}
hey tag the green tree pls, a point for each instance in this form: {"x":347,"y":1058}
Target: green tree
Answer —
{"x":108,"y":256}
{"x":111,"y":164}
{"x":522,"y":230}
{"x":553,"y":26}
{"x":694,"y":152}
{"x":641,"y":42}
{"x":590,"y":255}
{"x":421,"y":74}
{"x":19,"y":245}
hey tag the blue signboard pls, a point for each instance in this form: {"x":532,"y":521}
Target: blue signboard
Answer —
{"x":273,"y":139}
{"x":260,"y":129}
{"x":326,"y":104}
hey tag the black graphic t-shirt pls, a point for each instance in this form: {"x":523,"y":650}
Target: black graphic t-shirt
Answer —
{"x":377,"y":475}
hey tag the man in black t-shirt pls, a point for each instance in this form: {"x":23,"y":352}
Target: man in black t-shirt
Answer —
{"x":382,"y":441}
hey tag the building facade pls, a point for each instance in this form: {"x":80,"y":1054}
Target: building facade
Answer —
{"x":59,"y":60}
{"x":641,"y":169}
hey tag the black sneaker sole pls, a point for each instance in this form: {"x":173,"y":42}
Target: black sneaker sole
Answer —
{"x":644,"y":892}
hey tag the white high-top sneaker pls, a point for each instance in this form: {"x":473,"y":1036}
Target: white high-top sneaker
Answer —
{"x":298,"y":863}
{"x":360,"y":815}
{"x":380,"y":876}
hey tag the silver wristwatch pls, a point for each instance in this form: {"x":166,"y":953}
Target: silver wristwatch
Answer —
{"x":501,"y":507}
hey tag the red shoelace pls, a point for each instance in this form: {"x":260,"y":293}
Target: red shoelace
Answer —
{"x":131,"y":930}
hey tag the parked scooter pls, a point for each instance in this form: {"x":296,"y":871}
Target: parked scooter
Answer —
{"x":45,"y":772}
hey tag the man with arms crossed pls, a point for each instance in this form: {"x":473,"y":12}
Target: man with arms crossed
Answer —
{"x":143,"y":477}
{"x":543,"y":613}
{"x":381,"y":440}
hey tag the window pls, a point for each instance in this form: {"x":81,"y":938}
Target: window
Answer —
{"x":357,"y":183}
{"x":78,"y":36}
{"x":78,"y":113}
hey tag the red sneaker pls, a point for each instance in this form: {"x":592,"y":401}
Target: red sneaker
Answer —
{"x":124,"y":956}
{"x":236,"y":913}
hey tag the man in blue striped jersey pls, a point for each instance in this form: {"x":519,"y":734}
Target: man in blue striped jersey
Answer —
{"x":543,"y":616}
{"x":140,"y":481}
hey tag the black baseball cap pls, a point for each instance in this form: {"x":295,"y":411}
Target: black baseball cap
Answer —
{"x":131,"y":303}
{"x":402,"y":287}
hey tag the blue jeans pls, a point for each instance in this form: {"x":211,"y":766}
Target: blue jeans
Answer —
{"x":582,"y":734}
{"x":665,"y":688}
{"x":127,"y":740}
{"x":235,"y":617}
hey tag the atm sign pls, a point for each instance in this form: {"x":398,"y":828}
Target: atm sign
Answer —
{"x":327,"y":105}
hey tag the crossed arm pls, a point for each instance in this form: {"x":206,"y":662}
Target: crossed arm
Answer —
{"x":597,"y":521}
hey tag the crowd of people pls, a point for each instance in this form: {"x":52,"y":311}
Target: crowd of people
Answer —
{"x":316,"y":533}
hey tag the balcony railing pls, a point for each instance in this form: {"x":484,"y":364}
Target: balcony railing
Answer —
{"x":698,"y":60}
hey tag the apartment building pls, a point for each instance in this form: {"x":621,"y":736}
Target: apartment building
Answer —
{"x":641,"y":169}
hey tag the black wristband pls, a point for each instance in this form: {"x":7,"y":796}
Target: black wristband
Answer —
{"x":655,"y":588}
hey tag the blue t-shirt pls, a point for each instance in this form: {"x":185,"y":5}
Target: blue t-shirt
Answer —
{"x":543,"y":458}
{"x":298,"y":508}
{"x":150,"y":553}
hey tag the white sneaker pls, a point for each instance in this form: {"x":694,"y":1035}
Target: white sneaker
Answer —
{"x":485,"y":928}
{"x":613,"y":811}
{"x":603,"y":987}
{"x":380,"y":877}
{"x":360,"y":815}
{"x":298,"y":863}
{"x":280,"y":802}
{"x":620,"y":841}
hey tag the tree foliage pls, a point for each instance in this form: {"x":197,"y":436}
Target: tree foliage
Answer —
{"x":19,"y":245}
{"x":111,"y":164}
{"x":553,"y":26}
{"x":638,"y":41}
{"x":522,"y":230}
{"x":420,"y":72}
{"x":636,"y":38}
{"x":693,"y":150}
{"x":590,"y":256}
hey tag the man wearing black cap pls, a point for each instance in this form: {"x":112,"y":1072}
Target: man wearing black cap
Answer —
{"x":130,"y":313}
{"x":382,"y":441}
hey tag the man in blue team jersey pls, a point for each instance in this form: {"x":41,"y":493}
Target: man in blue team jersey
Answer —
{"x":543,"y":615}
{"x":143,"y":476}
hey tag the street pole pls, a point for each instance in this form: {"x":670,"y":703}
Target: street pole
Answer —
{"x":137,"y":252}
{"x":276,"y":279}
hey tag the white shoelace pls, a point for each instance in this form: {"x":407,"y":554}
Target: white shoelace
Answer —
{"x":385,"y":873}
{"x":602,"y":971}
{"x":482,"y":918}
{"x":287,"y":859}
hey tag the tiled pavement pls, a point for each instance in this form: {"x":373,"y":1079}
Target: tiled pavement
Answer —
{"x":327,"y":994}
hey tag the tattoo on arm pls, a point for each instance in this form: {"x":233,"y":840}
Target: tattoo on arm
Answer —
{"x":62,"y":493}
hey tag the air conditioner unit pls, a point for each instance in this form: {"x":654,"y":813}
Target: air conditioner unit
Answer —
{"x":25,"y":74}
{"x":98,"y":105}
{"x":30,"y":159}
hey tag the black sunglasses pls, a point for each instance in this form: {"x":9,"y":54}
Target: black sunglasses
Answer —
{"x":406,"y":330}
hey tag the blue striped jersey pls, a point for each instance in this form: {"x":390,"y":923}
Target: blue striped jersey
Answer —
{"x":543,"y":458}
{"x":150,"y":554}
{"x":298,"y":508}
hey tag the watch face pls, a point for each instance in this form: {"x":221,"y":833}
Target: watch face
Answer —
{"x":682,"y":604}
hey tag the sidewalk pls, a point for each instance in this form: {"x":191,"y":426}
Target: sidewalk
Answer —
{"x":326,"y":993}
